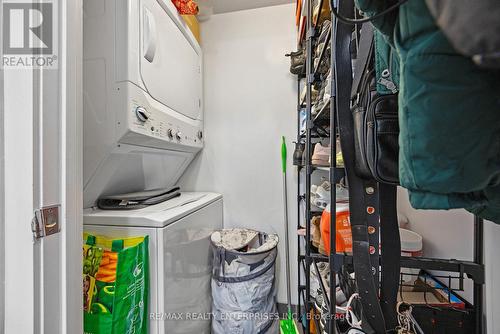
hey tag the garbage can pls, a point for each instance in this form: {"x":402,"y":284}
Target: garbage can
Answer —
{"x":243,"y":282}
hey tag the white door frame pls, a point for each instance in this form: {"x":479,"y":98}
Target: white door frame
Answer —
{"x":29,"y":102}
{"x":2,"y":188}
{"x":72,"y":81}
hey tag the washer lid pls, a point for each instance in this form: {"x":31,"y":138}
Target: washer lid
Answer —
{"x":156,"y":216}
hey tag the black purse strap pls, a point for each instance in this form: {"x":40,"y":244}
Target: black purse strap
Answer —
{"x":364,"y":55}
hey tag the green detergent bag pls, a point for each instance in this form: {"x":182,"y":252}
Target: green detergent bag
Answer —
{"x":115,"y":285}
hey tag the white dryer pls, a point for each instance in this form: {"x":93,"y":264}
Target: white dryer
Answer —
{"x":143,"y":116}
{"x":180,"y":260}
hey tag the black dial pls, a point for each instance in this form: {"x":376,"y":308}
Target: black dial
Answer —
{"x":140,"y":112}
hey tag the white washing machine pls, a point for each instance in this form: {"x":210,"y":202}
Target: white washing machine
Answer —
{"x":143,"y":125}
{"x":180,"y":257}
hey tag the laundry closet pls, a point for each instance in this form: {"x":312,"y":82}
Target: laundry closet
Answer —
{"x":233,"y":166}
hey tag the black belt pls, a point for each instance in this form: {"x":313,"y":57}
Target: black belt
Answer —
{"x":369,"y":201}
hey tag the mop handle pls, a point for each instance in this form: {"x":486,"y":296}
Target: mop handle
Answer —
{"x":287,"y":244}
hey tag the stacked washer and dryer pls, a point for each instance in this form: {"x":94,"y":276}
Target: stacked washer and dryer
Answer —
{"x":143,"y":125}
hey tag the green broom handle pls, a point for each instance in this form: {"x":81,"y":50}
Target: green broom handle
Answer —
{"x":287,"y":244}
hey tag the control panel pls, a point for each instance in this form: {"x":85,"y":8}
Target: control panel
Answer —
{"x":161,"y":125}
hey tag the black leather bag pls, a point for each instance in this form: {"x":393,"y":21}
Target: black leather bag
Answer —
{"x":375,"y":119}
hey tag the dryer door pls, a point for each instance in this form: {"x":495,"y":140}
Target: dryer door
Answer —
{"x":170,"y":61}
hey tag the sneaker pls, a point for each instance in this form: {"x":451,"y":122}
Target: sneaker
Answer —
{"x":323,"y":191}
{"x":314,"y":285}
{"x":342,"y":194}
{"x":324,"y":312}
{"x":339,"y":158}
{"x":303,"y":121}
{"x":318,"y":106}
{"x":324,"y":269}
{"x":325,"y":277}
{"x":303,"y":95}
{"x":324,"y":66}
{"x":340,"y":296}
{"x":322,"y":43}
{"x":314,"y":281}
{"x":320,"y":195}
{"x":321,"y":155}
{"x":318,"y":301}
{"x":298,"y":153}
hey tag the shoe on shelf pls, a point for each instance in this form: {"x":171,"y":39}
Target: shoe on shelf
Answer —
{"x":340,"y":296}
{"x":342,"y":195}
{"x":324,"y":312}
{"x":328,"y":87}
{"x":339,"y":158}
{"x":318,"y":301}
{"x":320,"y":195}
{"x":316,"y":231}
{"x":325,"y":28}
{"x":298,"y":153}
{"x":321,"y":93}
{"x":303,"y":95}
{"x":323,"y":190}
{"x":355,"y":331}
{"x":321,"y":155}
{"x":303,"y":119}
{"x":314,"y":285}
{"x":317,"y":107}
{"x":297,"y":62}
{"x":323,"y":67}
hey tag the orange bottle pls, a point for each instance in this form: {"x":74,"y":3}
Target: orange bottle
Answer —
{"x":343,"y":237}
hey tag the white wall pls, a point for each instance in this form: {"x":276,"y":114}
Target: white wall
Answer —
{"x":492,"y":263}
{"x":450,"y":234}
{"x":250,"y":101}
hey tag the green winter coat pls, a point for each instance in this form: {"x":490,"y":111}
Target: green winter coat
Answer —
{"x":449,"y":114}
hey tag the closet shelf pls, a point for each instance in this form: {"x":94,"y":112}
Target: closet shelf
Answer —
{"x":315,"y":136}
{"x":339,"y":171}
{"x":473,"y":270}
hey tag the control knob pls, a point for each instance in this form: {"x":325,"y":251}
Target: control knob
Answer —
{"x":140,"y":113}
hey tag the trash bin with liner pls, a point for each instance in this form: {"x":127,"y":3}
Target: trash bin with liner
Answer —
{"x":243,"y":282}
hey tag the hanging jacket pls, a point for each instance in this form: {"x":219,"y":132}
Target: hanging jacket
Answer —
{"x":449,"y":115}
{"x":472,"y":27}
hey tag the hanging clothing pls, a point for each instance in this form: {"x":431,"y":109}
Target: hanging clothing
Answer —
{"x":449,"y":115}
{"x":471,"y":27}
